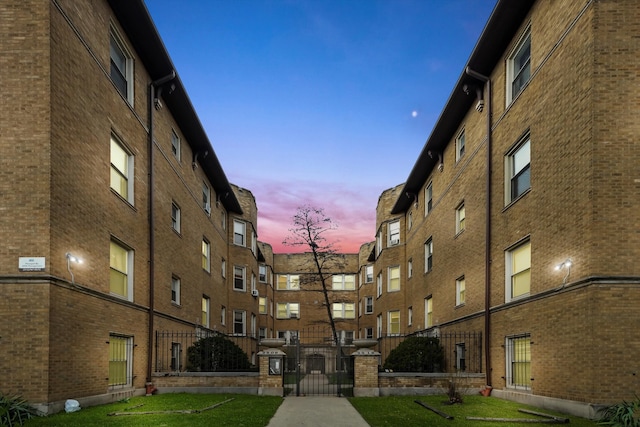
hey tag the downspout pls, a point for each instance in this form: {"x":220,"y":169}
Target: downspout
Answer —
{"x":487,"y":239}
{"x":152,"y":243}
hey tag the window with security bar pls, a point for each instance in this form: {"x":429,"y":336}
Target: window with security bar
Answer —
{"x":518,"y":362}
{"x":120,"y":361}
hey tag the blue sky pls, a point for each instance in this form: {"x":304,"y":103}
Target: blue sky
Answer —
{"x":320,"y":102}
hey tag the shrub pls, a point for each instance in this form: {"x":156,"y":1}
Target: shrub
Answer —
{"x":216,"y":353}
{"x":14,"y":411}
{"x":624,"y":414}
{"x":416,"y":354}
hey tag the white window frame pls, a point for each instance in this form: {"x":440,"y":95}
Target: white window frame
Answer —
{"x":242,"y":277}
{"x":460,"y":145}
{"x":339,"y":282}
{"x":368,"y":305}
{"x":513,"y":355}
{"x":121,"y":350}
{"x":368,"y":274}
{"x":175,"y":144}
{"x":379,"y":243}
{"x":460,"y":218}
{"x":428,"y":312}
{"x":410,"y":316}
{"x":461,"y":357}
{"x":379,"y":326}
{"x":242,"y":322}
{"x":175,"y":217}
{"x":513,"y":272}
{"x":117,"y":42}
{"x":428,"y":255}
{"x":262,"y":305}
{"x":176,"y":356}
{"x":206,"y":198}
{"x":253,"y":325}
{"x":512,"y":73}
{"x":127,"y":272}
{"x":517,"y":165}
{"x":206,"y":255}
{"x":292,"y":282}
{"x":262,"y":273}
{"x":223,"y":268}
{"x":393,"y":233}
{"x":223,"y":315}
{"x":343,"y":310}
{"x":206,"y":311}
{"x":175,"y":290}
{"x":379,"y":285}
{"x":239,"y":233}
{"x":368,"y":333}
{"x":391,"y":315}
{"x":460,"y":291}
{"x":292,"y":310}
{"x":428,"y":198}
{"x":410,"y":220}
{"x":118,"y":172}
{"x":254,"y":243}
{"x":393,"y":276}
{"x":409,"y":268}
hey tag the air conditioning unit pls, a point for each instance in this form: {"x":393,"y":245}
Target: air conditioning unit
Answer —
{"x":207,"y":208}
{"x":255,"y":293}
{"x":293,"y":316}
{"x":395,"y":241}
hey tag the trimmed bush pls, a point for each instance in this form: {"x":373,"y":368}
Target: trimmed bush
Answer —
{"x":416,"y":354}
{"x":216,"y":354}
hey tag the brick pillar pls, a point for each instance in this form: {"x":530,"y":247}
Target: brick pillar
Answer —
{"x":365,"y":379}
{"x":271,"y":372}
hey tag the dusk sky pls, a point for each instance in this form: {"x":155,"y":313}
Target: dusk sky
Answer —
{"x":319,"y":102}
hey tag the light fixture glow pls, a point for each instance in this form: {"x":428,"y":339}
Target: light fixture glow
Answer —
{"x":71,"y":258}
{"x":567,"y":263}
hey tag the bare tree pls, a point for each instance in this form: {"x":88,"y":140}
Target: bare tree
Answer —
{"x":310,"y":225}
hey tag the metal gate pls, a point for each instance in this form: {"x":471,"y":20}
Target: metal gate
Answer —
{"x":317,"y":364}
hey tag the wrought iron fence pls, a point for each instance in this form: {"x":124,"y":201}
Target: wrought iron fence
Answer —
{"x":204,"y":350}
{"x":462,"y":350}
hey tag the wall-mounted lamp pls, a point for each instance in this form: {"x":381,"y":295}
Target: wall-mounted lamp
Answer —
{"x":71,"y":258}
{"x":567,"y":265}
{"x":440,"y":163}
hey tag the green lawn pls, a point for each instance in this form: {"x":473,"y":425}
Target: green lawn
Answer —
{"x":242,"y":410}
{"x":403,"y":411}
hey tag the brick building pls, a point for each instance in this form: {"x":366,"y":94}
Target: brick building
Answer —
{"x":531,"y":165}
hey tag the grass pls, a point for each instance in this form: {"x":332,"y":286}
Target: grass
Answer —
{"x":242,"y":411}
{"x":403,"y":411}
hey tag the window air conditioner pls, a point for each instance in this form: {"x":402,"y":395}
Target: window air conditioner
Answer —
{"x":293,"y":316}
{"x":254,"y":293}
{"x":395,"y":241}
{"x":207,"y":208}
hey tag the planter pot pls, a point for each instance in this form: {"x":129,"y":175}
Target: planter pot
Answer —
{"x":365,"y":342}
{"x":272,"y":342}
{"x":486,"y":392}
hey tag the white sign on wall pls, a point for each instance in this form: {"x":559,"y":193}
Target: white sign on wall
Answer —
{"x":31,"y":263}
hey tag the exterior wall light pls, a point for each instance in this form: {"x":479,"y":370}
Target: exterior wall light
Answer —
{"x":71,"y":258}
{"x":567,"y":265}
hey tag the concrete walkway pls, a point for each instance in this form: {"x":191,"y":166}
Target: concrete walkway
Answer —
{"x":316,"y":411}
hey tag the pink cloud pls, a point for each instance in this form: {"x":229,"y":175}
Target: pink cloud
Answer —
{"x":352,"y":211}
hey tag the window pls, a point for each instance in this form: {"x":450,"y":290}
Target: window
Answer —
{"x":176,"y":351}
{"x":518,"y":270}
{"x":368,"y":333}
{"x":409,"y":269}
{"x":368,"y":305}
{"x":175,"y":144}
{"x":223,"y":268}
{"x":346,"y":338}
{"x":239,"y":278}
{"x":205,"y":311}
{"x":460,"y":145}
{"x":175,"y":290}
{"x":288,"y":310}
{"x":519,"y":67}
{"x":290,"y":337}
{"x":253,"y":325}
{"x":410,"y":316}
{"x":175,"y":217}
{"x":121,"y":170}
{"x":121,"y":66}
{"x":206,"y":253}
{"x":344,"y":282}
{"x":239,"y":322}
{"x":461,"y":356}
{"x":394,"y":233}
{"x":368,"y":274}
{"x":518,"y":170}
{"x":428,"y":199}
{"x":223,"y":219}
{"x":460,"y":218}
{"x":518,"y":352}
{"x":206,"y":198}
{"x":460,"y":291}
{"x":428,"y":255}
{"x":428,"y":312}
{"x":121,"y":271}
{"x":262,"y":333}
{"x":410,"y":220}
{"x":288,"y":282}
{"x":262,"y":273}
{"x":254,"y":243}
{"x":393,"y":283}
{"x":394,"y":322}
{"x":223,"y":315}
{"x":253,"y":282}
{"x":379,"y":285}
{"x":262,"y":305}
{"x":378,"y":243}
{"x":239,"y":229}
{"x":120,"y":361}
{"x":344,"y":310}
{"x":379,"y":326}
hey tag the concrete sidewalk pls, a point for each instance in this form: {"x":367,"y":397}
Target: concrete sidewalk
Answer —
{"x":316,"y":411}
